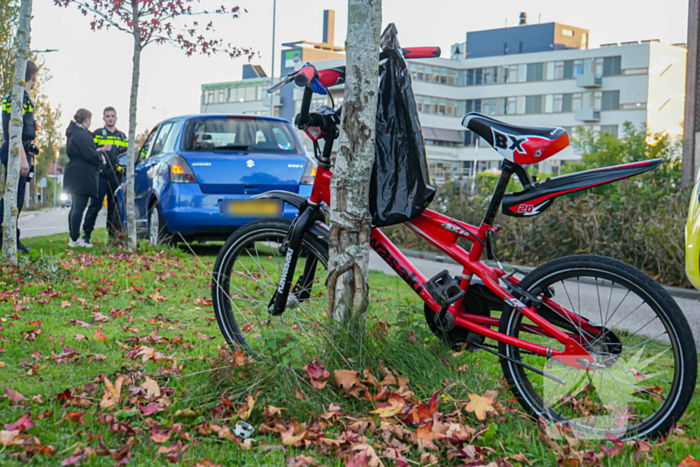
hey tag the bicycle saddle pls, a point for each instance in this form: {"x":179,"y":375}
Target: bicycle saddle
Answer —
{"x":519,"y":144}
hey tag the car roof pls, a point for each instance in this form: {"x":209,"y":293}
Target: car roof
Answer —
{"x":221,"y":115}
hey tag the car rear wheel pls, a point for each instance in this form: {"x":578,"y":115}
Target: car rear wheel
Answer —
{"x":157,"y":232}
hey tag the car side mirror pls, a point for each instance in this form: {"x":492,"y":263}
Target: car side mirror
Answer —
{"x":121,"y":162}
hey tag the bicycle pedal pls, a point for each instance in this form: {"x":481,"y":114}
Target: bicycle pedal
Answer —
{"x":444,"y":289}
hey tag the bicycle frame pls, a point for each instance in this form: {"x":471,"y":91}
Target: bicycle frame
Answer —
{"x":443,"y":232}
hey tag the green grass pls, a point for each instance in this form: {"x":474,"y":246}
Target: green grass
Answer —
{"x":64,"y":285}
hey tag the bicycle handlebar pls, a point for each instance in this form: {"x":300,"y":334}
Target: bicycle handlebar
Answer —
{"x":305,"y":75}
{"x":334,"y":76}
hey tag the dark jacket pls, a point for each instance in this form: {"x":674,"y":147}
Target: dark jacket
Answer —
{"x":81,"y":174}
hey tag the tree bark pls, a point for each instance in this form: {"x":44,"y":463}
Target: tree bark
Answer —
{"x":691,"y":126}
{"x":350,"y":218}
{"x":132,"y":239}
{"x":10,"y":213}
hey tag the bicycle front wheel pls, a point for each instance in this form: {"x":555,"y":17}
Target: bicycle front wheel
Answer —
{"x":246,"y":276}
{"x":645,"y":364}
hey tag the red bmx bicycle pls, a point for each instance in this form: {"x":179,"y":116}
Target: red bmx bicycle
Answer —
{"x":580,"y":328}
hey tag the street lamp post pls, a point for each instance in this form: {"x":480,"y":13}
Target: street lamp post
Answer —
{"x":272,"y":74}
{"x":55,"y":180}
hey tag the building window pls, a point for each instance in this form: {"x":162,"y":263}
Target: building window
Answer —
{"x":609,"y":129}
{"x":557,"y":104}
{"x":558,"y":70}
{"x":534,"y":72}
{"x":566,"y":103}
{"x":611,"y":100}
{"x":567,"y":32}
{"x":578,"y":67}
{"x":490,"y":75}
{"x":512,"y":107}
{"x":533,"y":104}
{"x":568,"y":69}
{"x":473,"y":105}
{"x":470,"y":77}
{"x":611,"y":66}
{"x":513,"y":73}
{"x":478,"y":76}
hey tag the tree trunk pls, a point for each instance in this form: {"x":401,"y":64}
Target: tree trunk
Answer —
{"x":350,"y":217}
{"x":16,"y":124}
{"x":691,"y":126}
{"x":132,"y":239}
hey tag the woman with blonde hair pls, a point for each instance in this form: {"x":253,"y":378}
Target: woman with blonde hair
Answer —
{"x":80,"y":178}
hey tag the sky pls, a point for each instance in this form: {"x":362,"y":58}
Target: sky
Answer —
{"x":92,"y":70}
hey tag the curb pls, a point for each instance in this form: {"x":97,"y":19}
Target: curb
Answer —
{"x":679,"y":292}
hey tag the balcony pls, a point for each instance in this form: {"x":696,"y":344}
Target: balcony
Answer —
{"x":587,"y":114}
{"x":589,"y":81}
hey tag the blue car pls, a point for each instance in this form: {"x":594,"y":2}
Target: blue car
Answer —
{"x":195,"y":175}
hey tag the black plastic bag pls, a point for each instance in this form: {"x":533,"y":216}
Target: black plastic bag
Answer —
{"x":400,"y":188}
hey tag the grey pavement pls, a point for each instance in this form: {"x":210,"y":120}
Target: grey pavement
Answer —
{"x":51,"y":221}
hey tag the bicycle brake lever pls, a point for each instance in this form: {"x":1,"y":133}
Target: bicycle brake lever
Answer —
{"x":285,"y":81}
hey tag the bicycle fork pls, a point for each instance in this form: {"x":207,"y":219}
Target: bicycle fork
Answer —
{"x":292,"y":249}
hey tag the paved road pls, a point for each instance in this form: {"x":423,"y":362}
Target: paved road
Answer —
{"x":53,"y":221}
{"x":50,"y":221}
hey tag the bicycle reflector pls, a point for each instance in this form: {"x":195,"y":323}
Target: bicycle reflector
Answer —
{"x":180,"y":171}
{"x":309,"y":173}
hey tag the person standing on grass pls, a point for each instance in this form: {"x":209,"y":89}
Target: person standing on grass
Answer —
{"x":110,"y":175}
{"x":28,"y":135}
{"x":81,"y":176}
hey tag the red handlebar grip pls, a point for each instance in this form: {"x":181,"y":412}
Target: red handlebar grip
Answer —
{"x":305,"y":75}
{"x":421,"y":52}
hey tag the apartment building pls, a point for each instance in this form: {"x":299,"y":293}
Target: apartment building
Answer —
{"x":542,"y":74}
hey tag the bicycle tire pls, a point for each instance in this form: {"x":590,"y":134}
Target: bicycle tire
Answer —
{"x":256,"y":231}
{"x":671,"y":319}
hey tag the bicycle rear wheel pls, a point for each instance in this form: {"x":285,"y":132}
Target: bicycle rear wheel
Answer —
{"x":645,"y":356}
{"x":247,"y":274}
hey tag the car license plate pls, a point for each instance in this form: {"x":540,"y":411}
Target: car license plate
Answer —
{"x":251,"y":208}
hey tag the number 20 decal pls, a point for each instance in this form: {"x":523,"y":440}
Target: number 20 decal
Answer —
{"x":525,"y":208}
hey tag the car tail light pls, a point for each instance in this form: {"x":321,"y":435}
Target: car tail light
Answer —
{"x":309,"y":173}
{"x":180,"y":171}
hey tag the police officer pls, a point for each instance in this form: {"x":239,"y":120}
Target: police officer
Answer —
{"x":110,"y":175}
{"x":28,"y":135}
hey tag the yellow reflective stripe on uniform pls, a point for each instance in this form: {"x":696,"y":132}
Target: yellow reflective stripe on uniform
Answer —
{"x":7,"y":107}
{"x":113,"y":140}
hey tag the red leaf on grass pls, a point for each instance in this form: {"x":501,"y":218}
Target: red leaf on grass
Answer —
{"x":425,"y":412}
{"x":80,"y":323}
{"x":75,"y":460}
{"x":689,"y":461}
{"x":202,"y":336}
{"x":616,"y":449}
{"x":14,"y":395}
{"x":99,"y":336}
{"x":77,"y":417}
{"x":24,"y":423}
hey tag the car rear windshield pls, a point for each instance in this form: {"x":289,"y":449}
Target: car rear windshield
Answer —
{"x":247,"y":135}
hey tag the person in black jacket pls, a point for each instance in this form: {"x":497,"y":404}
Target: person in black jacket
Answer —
{"x":80,"y":177}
